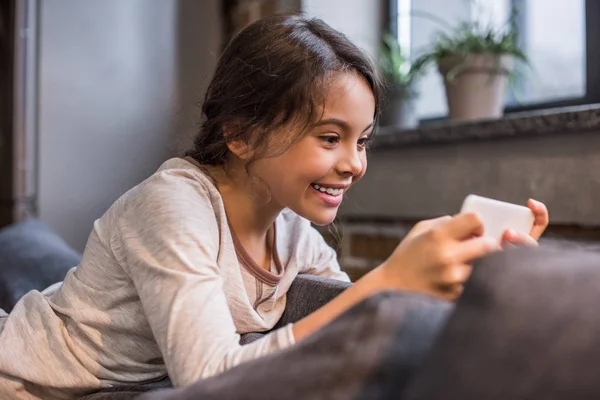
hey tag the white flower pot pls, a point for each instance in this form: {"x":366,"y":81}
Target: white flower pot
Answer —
{"x":475,"y":85}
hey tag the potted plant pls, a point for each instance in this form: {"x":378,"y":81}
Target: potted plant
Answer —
{"x":476,"y":61}
{"x":401,"y":76}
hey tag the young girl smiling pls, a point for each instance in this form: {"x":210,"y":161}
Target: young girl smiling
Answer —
{"x":206,"y":248}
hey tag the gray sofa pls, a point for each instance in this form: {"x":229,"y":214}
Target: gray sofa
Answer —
{"x":32,"y":256}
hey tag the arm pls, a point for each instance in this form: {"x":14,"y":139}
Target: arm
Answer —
{"x":324,"y":263}
{"x":434,"y":258}
{"x":168,"y":243}
{"x":372,"y":283}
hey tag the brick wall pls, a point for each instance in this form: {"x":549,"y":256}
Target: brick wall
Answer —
{"x":363,"y":245}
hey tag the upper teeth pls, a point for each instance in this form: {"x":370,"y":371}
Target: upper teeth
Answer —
{"x":333,"y":192}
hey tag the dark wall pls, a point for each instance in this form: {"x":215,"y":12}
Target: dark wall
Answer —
{"x":7,"y":18}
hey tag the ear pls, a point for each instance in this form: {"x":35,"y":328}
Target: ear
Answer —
{"x":237,"y":146}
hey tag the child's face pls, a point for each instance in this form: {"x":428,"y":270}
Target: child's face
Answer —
{"x":313,"y":175}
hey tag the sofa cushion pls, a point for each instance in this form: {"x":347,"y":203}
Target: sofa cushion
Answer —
{"x":526,"y":327}
{"x":32,"y":256}
{"x":307,"y":294}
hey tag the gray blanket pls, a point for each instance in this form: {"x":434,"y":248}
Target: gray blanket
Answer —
{"x":527,"y":327}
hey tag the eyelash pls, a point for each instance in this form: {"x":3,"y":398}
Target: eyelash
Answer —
{"x":366,"y":141}
{"x":333,"y":139}
{"x":330,"y":139}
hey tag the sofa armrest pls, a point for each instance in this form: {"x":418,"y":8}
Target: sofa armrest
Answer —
{"x":33,"y":258}
{"x":307,"y":294}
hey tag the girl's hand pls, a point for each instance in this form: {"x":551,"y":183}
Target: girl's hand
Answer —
{"x":541,"y":220}
{"x":435,"y":256}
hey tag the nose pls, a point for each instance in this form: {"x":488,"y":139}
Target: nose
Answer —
{"x":351,"y":164}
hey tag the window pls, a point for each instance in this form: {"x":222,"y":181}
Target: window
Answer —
{"x":560,"y":45}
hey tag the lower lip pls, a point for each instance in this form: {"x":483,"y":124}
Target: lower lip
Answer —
{"x":329,"y":200}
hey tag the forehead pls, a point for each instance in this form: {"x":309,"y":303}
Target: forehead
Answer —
{"x":349,"y":98}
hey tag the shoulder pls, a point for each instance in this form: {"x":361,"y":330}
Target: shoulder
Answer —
{"x":177,"y":191}
{"x":175,"y":183}
{"x":176,"y":178}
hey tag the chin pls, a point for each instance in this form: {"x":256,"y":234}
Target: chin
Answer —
{"x":322,"y":218}
{"x":315,"y":213}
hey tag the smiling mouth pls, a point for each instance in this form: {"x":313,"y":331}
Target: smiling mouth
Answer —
{"x":327,"y":190}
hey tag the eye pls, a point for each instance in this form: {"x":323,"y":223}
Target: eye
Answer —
{"x":363,"y":142}
{"x":330,"y":139}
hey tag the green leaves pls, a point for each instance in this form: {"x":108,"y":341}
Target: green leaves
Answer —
{"x":471,"y":38}
{"x":397,"y":68}
{"x":474,"y":38}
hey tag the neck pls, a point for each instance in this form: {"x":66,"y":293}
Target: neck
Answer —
{"x":249,"y":213}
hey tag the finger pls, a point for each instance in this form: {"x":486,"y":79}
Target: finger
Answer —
{"x":440,"y":220}
{"x":456,"y":292}
{"x":425,"y":225}
{"x":456,"y":275}
{"x":478,"y":247}
{"x":430,"y":223}
{"x":464,"y":226}
{"x":450,"y":292}
{"x":541,"y":218}
{"x":517,"y":238}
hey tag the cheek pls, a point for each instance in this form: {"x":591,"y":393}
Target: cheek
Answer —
{"x":267,"y":173}
{"x":310,"y":165}
{"x":363,"y":161}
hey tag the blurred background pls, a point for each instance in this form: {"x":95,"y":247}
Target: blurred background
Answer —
{"x":96,"y":94}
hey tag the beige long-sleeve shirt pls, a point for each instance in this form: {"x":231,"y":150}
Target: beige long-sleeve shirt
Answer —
{"x":159,"y":290}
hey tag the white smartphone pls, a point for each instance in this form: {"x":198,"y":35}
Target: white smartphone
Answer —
{"x":498,"y":216}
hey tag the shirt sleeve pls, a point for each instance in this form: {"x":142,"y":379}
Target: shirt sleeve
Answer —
{"x":324,"y":261}
{"x":168,"y":242}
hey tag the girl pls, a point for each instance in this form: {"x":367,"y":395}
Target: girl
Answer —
{"x":206,"y":248}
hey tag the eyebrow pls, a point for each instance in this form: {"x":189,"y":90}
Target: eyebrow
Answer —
{"x":341,"y":123}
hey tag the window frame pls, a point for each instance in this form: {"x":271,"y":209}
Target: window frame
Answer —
{"x":7,"y":156}
{"x":592,"y":61}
